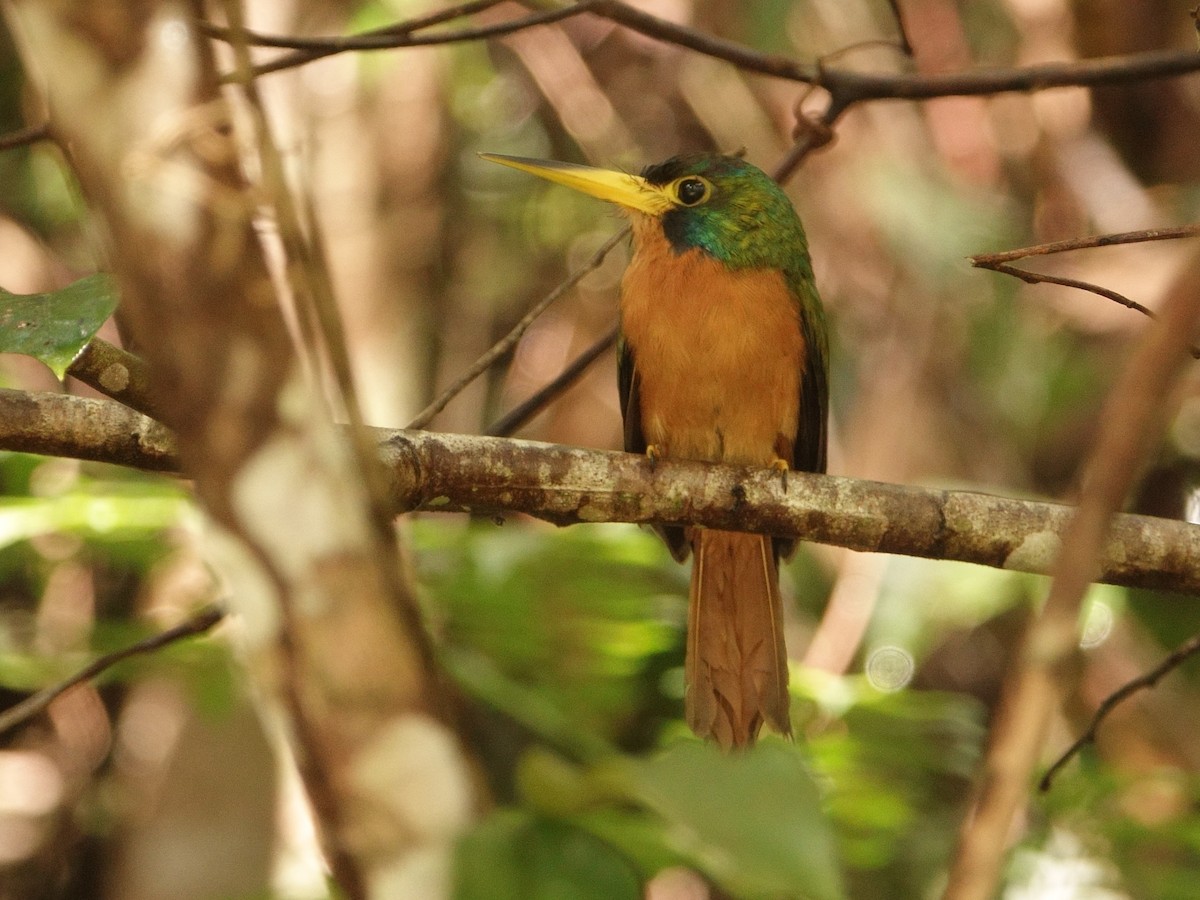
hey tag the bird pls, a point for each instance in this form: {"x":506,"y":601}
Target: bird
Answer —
{"x":723,"y":356}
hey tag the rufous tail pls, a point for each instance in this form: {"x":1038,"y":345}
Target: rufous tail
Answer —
{"x":736,"y":667}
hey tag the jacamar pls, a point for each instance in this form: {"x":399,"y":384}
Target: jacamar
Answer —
{"x":723,"y":357}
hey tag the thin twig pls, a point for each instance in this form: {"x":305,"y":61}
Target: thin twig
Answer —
{"x":848,"y":87}
{"x":396,"y":37}
{"x":37,"y":703}
{"x":1177,"y":658}
{"x":523,"y":412}
{"x":24,"y":136}
{"x":845,"y":87}
{"x":323,"y":45}
{"x":905,"y":44}
{"x":509,"y":341}
{"x":1040,"y":278}
{"x":809,"y":135}
{"x":988,"y":260}
{"x":998,"y":262}
{"x":392,"y":37}
{"x":117,"y":373}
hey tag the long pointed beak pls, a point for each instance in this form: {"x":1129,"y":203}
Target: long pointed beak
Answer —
{"x":630,"y":191}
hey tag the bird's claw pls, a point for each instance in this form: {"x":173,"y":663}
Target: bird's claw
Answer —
{"x":781,"y":466}
{"x":653,"y":454}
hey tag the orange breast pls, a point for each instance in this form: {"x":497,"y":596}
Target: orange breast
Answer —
{"x":718,"y":354}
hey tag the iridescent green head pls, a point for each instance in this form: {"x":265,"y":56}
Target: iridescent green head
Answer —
{"x":721,"y":205}
{"x":728,"y":208}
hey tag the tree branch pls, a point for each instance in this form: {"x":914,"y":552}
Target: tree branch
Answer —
{"x":510,"y":340}
{"x":999,"y":262}
{"x":118,"y":374}
{"x":23,"y":137}
{"x":532,"y":405}
{"x":392,"y":37}
{"x":565,"y":485}
{"x":1173,"y":661}
{"x":846,"y":87}
{"x":84,"y":428}
{"x":988,"y":260}
{"x":22,"y":712}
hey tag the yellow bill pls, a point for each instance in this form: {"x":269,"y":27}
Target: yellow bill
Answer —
{"x":631,"y":191}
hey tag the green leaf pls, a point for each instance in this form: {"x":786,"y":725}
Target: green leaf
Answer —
{"x":24,"y":518}
{"x":55,"y":326}
{"x":516,"y":856}
{"x":752,"y":821}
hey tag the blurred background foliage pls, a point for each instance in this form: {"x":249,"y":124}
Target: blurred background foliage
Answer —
{"x":162,"y":779}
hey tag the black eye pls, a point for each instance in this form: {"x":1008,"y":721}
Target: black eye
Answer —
{"x":692,"y":191}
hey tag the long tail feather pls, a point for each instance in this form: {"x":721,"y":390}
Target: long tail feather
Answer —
{"x":736,"y":666}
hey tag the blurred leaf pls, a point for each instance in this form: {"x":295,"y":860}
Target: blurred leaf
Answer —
{"x":582,"y":623}
{"x":53,"y":327}
{"x":540,"y":714}
{"x":513,"y":855}
{"x":752,"y":821}
{"x":88,"y":515}
{"x":898,"y":768}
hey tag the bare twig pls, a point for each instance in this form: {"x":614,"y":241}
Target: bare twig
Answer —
{"x":845,"y":87}
{"x":998,"y":262}
{"x":394,"y":37}
{"x":1177,"y":657}
{"x":988,"y":260}
{"x":116,"y":373}
{"x":322,"y":46}
{"x":523,"y":412}
{"x":23,"y":137}
{"x":901,"y":28}
{"x":37,"y":703}
{"x":808,"y":135}
{"x":85,"y":428}
{"x":1040,"y":278}
{"x":510,"y":340}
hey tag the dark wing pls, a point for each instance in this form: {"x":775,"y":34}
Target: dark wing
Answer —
{"x":808,"y":454}
{"x":635,"y":439}
{"x":627,"y":390}
{"x":809,"y":450}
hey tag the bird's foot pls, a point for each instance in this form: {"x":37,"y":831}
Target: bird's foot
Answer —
{"x":781,"y":466}
{"x":654,"y":453}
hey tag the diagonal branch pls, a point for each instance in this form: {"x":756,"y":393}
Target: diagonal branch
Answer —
{"x":510,"y":340}
{"x":35,"y":704}
{"x":532,"y":405}
{"x":999,"y":262}
{"x":23,"y":137}
{"x":1173,"y":661}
